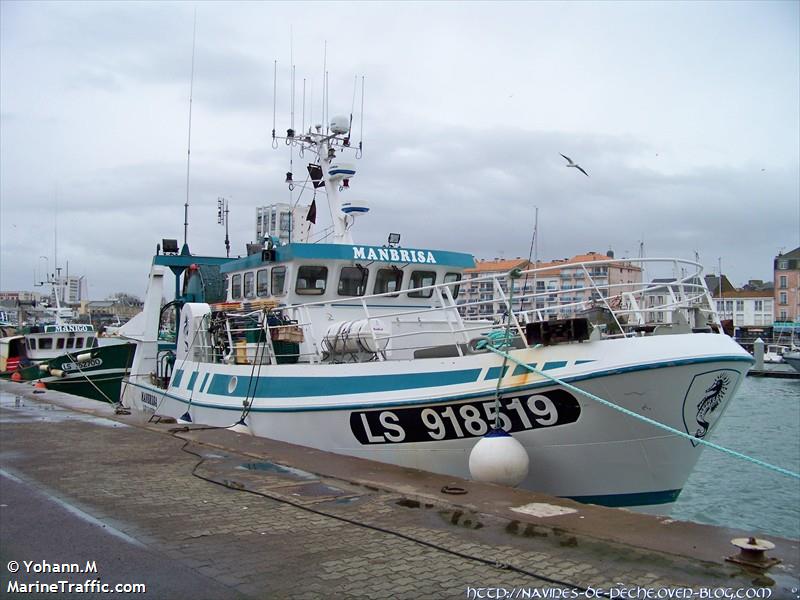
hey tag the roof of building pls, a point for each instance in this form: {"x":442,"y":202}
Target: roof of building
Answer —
{"x":490,"y":266}
{"x":792,"y":254}
{"x":504,"y":265}
{"x":749,"y":294}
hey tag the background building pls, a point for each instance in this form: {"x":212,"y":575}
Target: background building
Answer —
{"x":786,"y":270}
{"x":482,"y":298}
{"x":283,"y":222}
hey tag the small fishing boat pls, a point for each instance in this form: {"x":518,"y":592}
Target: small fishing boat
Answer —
{"x":66,"y":357}
{"x":792,"y":358}
{"x":366,"y":350}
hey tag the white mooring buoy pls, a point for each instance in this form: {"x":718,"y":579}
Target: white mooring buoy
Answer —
{"x":499,"y":458}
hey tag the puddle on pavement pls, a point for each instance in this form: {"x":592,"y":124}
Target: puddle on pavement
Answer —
{"x":19,"y":409}
{"x":275,"y":469}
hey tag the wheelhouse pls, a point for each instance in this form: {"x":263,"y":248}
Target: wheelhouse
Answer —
{"x":302,"y":273}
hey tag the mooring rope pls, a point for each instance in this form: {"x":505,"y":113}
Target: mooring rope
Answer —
{"x":653,"y":422}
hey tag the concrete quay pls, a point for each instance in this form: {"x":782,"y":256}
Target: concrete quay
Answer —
{"x":209,"y":513}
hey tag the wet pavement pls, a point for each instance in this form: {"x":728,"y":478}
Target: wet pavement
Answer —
{"x":215,"y":514}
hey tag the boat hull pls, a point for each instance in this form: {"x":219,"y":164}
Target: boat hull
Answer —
{"x":428,"y":414}
{"x":98,"y":378}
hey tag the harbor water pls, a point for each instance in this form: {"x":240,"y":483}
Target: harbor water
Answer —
{"x":763,"y":421}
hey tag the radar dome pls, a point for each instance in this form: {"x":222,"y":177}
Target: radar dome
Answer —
{"x":340,"y":124}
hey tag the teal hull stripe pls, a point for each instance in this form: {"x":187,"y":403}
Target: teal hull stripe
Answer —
{"x":203,"y":385}
{"x":556,"y":364}
{"x":441,"y":400}
{"x":192,"y":379}
{"x":520,"y":370}
{"x":176,"y":378}
{"x":639,"y":499}
{"x":494,"y":372}
{"x":299,"y":387}
{"x":583,"y":362}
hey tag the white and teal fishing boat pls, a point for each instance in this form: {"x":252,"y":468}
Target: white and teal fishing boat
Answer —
{"x":365,"y":350}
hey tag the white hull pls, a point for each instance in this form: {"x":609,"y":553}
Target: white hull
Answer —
{"x":577,"y":447}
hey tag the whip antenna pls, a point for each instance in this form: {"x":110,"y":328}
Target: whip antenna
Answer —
{"x":361,"y":127}
{"x":189,"y":143}
{"x":274,"y":101}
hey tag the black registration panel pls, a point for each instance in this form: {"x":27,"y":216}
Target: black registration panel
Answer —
{"x":464,"y":419}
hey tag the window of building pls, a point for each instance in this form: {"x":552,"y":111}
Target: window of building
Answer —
{"x":421,"y":279}
{"x":452,"y":278}
{"x":729,"y":305}
{"x":353,"y":281}
{"x":45,"y":343}
{"x":388,"y":280}
{"x":783,"y":298}
{"x":278,"y":281}
{"x":262,"y":283}
{"x":740,"y":305}
{"x":311,"y":280}
{"x":783,"y":315}
{"x":783,"y":264}
{"x":783,"y":282}
{"x":249,"y":287}
{"x":236,"y":287}
{"x":759,"y":305}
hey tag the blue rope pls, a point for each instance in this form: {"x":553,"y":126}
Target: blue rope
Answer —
{"x":630,"y":413}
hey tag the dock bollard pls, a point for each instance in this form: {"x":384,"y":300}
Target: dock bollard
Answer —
{"x":753,"y":552}
{"x":758,"y":354}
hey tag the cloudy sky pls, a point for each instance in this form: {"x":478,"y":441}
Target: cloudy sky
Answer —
{"x":685,"y":115}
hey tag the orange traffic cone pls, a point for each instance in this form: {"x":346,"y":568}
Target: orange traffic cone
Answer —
{"x":40,"y":384}
{"x":15,"y":376}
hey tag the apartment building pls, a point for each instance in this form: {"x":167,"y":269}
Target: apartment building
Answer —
{"x":284,"y":222}
{"x":554,"y":288}
{"x":786,"y":269}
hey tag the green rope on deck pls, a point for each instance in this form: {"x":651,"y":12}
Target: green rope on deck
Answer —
{"x":653,"y":422}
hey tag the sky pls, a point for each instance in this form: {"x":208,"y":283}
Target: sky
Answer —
{"x":686,"y":115}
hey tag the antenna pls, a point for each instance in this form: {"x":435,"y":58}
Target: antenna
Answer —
{"x":324,"y":83}
{"x":360,"y":150}
{"x":189,"y":142}
{"x":274,"y":101}
{"x":534,"y":251}
{"x":222,"y":219}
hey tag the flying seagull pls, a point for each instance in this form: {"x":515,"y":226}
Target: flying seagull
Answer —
{"x":573,"y":164}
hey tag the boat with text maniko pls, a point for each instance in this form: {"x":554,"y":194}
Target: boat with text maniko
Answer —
{"x":372,"y":352}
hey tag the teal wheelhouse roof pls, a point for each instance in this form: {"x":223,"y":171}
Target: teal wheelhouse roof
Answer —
{"x":358,"y":253}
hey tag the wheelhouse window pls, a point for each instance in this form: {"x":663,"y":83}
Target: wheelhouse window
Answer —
{"x":78,"y":343}
{"x":452,"y":278}
{"x":262,"y":283}
{"x":421,"y":279}
{"x":70,"y":343}
{"x":387,"y":281}
{"x":311,"y":280}
{"x":278,"y":281}
{"x":31,"y":343}
{"x":236,"y":287}
{"x":60,"y":343}
{"x":249,"y":285}
{"x":45,"y":343}
{"x":353,"y":281}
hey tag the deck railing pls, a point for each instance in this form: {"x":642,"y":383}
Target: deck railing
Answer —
{"x":629,"y":306}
